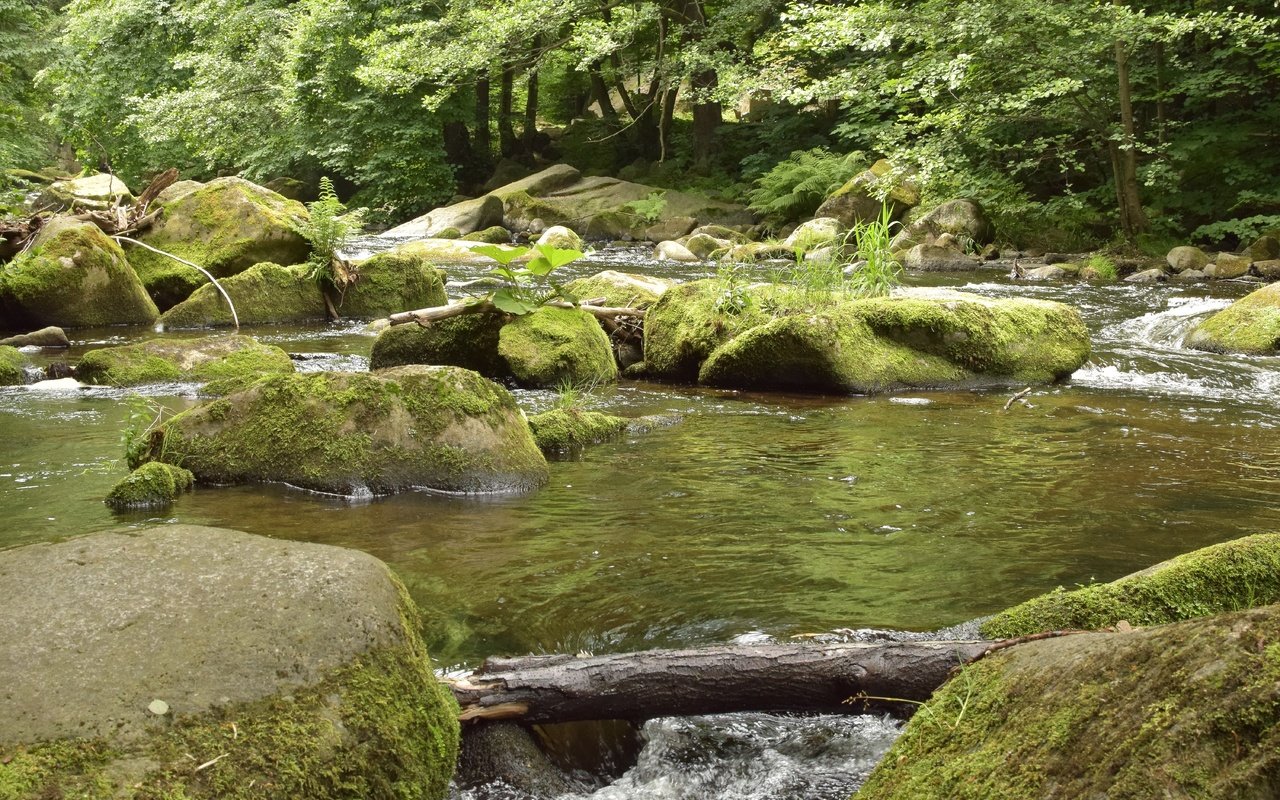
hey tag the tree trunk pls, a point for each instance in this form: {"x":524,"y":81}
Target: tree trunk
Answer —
{"x":483,"y":140}
{"x":530,"y":131}
{"x":711,"y":680}
{"x":707,"y":115}
{"x":1124,"y":155}
{"x":506,"y":133}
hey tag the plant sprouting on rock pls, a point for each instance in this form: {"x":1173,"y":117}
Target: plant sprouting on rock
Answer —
{"x":329,"y":226}
{"x":527,"y":287}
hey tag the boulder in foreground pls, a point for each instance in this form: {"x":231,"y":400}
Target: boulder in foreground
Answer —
{"x":196,"y":662}
{"x":1250,"y":325}
{"x":230,"y":359}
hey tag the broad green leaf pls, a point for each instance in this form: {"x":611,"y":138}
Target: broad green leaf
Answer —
{"x":557,"y":256}
{"x":506,"y":300}
{"x":503,"y":255}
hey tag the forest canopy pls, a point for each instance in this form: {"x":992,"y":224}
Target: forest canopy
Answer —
{"x":1074,"y":122}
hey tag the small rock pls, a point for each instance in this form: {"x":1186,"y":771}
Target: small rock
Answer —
{"x":1045,"y":273}
{"x":1230,"y":265}
{"x":673,"y":251}
{"x":1184,"y":258}
{"x":51,"y":336}
{"x":1155,"y":275}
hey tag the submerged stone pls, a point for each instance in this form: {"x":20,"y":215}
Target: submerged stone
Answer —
{"x":152,"y":485}
{"x":230,"y":360}
{"x":442,"y":428}
{"x":564,"y":429}
{"x":1250,"y":325}
{"x":75,"y":277}
{"x":1190,"y":709}
{"x":194,"y":662}
{"x":1225,"y":577}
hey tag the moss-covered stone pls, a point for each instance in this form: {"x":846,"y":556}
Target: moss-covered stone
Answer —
{"x":12,"y":364}
{"x":1250,"y":325}
{"x":619,"y":289}
{"x":391,"y":282}
{"x":441,"y":428}
{"x":494,"y":234}
{"x":230,"y":360}
{"x":152,"y":485}
{"x":1184,"y":710}
{"x":556,"y":345}
{"x":1226,"y":577}
{"x":264,"y":294}
{"x":268,"y":698}
{"x":76,"y":276}
{"x":469,"y":341}
{"x":926,"y":339}
{"x":92,"y":192}
{"x":225,"y":226}
{"x":565,"y":429}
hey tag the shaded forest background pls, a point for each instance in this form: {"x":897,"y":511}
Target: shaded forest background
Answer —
{"x":1075,"y":122}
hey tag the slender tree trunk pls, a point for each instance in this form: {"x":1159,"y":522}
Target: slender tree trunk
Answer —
{"x":506,"y":133}
{"x":1124,"y":155}
{"x":531,"y":105}
{"x":483,"y":146}
{"x":707,"y":115}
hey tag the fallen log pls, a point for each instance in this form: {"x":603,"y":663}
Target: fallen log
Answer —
{"x":425,"y":316}
{"x":777,"y":677}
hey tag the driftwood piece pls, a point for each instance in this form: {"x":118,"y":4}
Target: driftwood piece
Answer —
{"x":710,"y":680}
{"x":425,"y":316}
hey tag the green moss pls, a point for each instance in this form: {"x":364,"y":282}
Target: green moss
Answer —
{"x":1250,"y":325}
{"x":685,"y":326}
{"x":263,"y":294}
{"x":1185,"y":710}
{"x":391,"y":282}
{"x":149,"y":486}
{"x":495,"y":234}
{"x":230,"y":360}
{"x":381,"y":726}
{"x":225,"y":226}
{"x":435,"y":427}
{"x":619,"y":289}
{"x":12,"y":363}
{"x":75,"y":277}
{"x":469,"y":341}
{"x":557,"y":345}
{"x":1226,"y":577}
{"x":566,"y":429}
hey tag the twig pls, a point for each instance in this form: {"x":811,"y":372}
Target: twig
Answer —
{"x":211,"y":762}
{"x":234,"y":316}
{"x":1033,"y":637}
{"x":1017,"y":397}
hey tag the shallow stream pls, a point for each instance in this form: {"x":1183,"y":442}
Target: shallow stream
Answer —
{"x":755,"y":515}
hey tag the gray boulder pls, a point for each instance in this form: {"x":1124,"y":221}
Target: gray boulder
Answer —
{"x":674,"y":251}
{"x":466,"y":217}
{"x":964,"y":219}
{"x":934,"y":258}
{"x":858,"y":200}
{"x":131,"y":659}
{"x":1153,"y":275}
{"x":1186,"y":257}
{"x":1230,"y":265}
{"x":1264,"y":248}
{"x":92,"y":192}
{"x":52,"y":336}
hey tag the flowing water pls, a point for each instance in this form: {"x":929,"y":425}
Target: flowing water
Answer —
{"x":755,"y":516}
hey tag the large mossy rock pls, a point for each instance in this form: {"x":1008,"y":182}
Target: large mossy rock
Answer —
{"x":92,"y":192}
{"x":264,"y":294}
{"x":12,"y":366}
{"x":132,"y":661}
{"x":231,"y":360}
{"x":225,"y":226}
{"x":858,"y":200}
{"x":553,"y":346}
{"x":469,"y":341}
{"x":1225,"y":577}
{"x":619,"y":289}
{"x":964,"y":219}
{"x":921,"y":339}
{"x":563,"y":429}
{"x":74,"y":277}
{"x":1190,"y":709}
{"x":1250,"y":325}
{"x":442,"y":428}
{"x":400,"y":280}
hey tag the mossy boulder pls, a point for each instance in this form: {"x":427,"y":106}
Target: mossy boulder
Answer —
{"x":152,"y":485}
{"x":1190,"y":709}
{"x":814,"y":234}
{"x":399,"y":280}
{"x":557,"y":345}
{"x":445,"y":251}
{"x":561,"y":237}
{"x":12,"y":366}
{"x":230,"y":360}
{"x":469,"y":341}
{"x":964,"y":219}
{"x":264,"y":294}
{"x":91,"y":192}
{"x":441,"y":428}
{"x":494,"y":234}
{"x":921,"y":339}
{"x":464,"y":217}
{"x":1250,"y":325}
{"x":1225,"y":577}
{"x":194,"y":662}
{"x":859,"y":199}
{"x":49,"y":336}
{"x":225,"y":226}
{"x":1183,"y":258}
{"x":619,"y":289}
{"x":74,"y":277}
{"x":566,"y":429}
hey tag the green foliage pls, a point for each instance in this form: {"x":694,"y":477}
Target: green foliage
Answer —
{"x":145,"y":416}
{"x":1103,"y":265}
{"x":328,"y":226}
{"x":528,"y":287}
{"x":734,"y":299}
{"x":1237,"y":231}
{"x":25,"y":26}
{"x":650,"y":208}
{"x":877,"y":271}
{"x":795,"y":187}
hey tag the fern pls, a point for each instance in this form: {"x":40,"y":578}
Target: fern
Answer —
{"x":796,"y":186}
{"x":328,"y":227}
